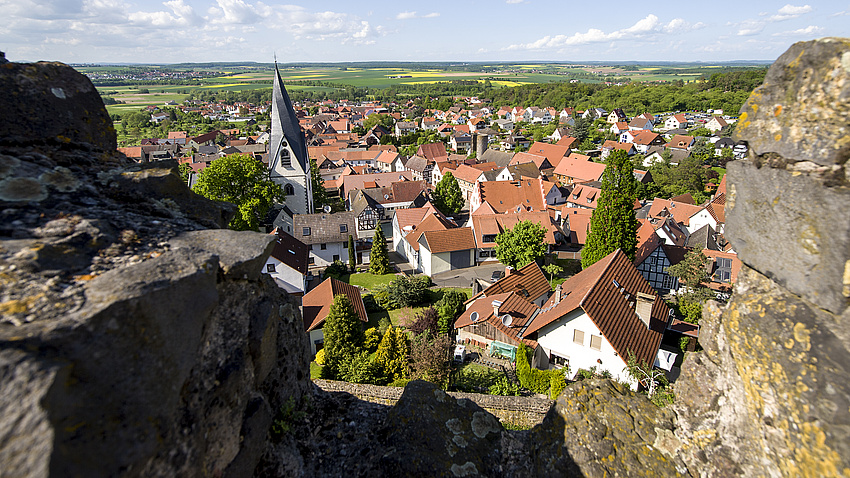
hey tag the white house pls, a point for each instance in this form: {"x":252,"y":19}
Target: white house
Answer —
{"x":326,"y":236}
{"x":287,"y":264}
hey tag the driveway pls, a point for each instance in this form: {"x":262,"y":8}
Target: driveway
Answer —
{"x":463,"y":277}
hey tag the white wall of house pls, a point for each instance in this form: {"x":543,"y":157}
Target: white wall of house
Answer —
{"x":559,"y":338}
{"x":325,"y":257}
{"x":700,"y":219}
{"x":314,"y":336}
{"x":286,"y":277}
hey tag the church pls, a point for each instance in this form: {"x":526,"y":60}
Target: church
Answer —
{"x":289,"y":164}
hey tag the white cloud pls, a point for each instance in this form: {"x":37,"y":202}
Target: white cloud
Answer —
{"x":809,"y":30}
{"x":650,"y":25}
{"x":790,"y":11}
{"x":514,"y":2}
{"x":412,"y":15}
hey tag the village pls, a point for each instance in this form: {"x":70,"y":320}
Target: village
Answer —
{"x":619,"y":318}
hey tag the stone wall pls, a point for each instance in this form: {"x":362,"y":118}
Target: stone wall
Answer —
{"x":524,"y":412}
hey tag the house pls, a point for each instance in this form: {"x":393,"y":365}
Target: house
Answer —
{"x":537,"y":160}
{"x":652,"y":259}
{"x":287,"y":264}
{"x":575,"y":223}
{"x":681,"y":141}
{"x":594,"y":113}
{"x":715,"y":124}
{"x":616,"y":116}
{"x":552,"y":152}
{"x":460,"y":141}
{"x":430,"y":123}
{"x":596,"y":319}
{"x":445,"y":250}
{"x":643,"y":140}
{"x":528,"y":281}
{"x":504,"y":124}
{"x":655,"y":154}
{"x":420,"y":168}
{"x":578,"y":168}
{"x":724,"y":270}
{"x":504,"y":196}
{"x":326,"y":236}
{"x":386,"y":161}
{"x":619,"y":128}
{"x":609,"y":146}
{"x":408,"y":227}
{"x":585,"y":195}
{"x":316,"y":304}
{"x":487,"y":226}
{"x":404,"y":127}
{"x":640,"y":123}
{"x":676,"y":122}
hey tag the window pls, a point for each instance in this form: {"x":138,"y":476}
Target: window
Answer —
{"x":324,"y":246}
{"x":269,"y":268}
{"x":724,"y":270}
{"x":343,"y":228}
{"x":288,"y":190}
{"x":558,"y":361}
{"x":596,"y":342}
{"x":489,"y":238}
{"x":484,"y":254}
{"x":311,"y":260}
{"x":578,"y":337}
{"x":345,"y":245}
{"x":306,"y":231}
{"x":285,"y":159}
{"x":336,"y":257}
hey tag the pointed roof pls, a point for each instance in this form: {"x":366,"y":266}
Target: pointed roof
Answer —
{"x":285,"y":125}
{"x":316,"y":304}
{"x":606,"y":292}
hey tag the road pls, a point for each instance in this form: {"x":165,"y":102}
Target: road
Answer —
{"x":464,"y":277}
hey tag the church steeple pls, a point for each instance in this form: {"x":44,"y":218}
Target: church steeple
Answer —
{"x":289,"y":164}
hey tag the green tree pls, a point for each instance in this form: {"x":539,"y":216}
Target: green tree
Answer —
{"x":320,"y":196}
{"x":392,"y":354}
{"x":521,"y":245}
{"x":352,"y":254}
{"x":448,"y":197}
{"x":613,"y":224}
{"x":552,"y":270}
{"x":650,"y":377}
{"x":185,"y":172}
{"x":374,"y":119}
{"x":449,"y":307}
{"x":429,"y":358}
{"x":343,"y":336}
{"x":692,"y":272}
{"x":581,"y":129}
{"x":379,"y":258}
{"x":243,"y":181}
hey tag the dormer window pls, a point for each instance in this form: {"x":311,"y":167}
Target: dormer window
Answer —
{"x":306,"y":231}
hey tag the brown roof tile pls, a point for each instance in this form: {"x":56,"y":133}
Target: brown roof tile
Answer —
{"x":317,"y":303}
{"x":448,"y":240}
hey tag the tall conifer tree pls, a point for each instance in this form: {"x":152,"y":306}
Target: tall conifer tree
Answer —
{"x":379,"y":259}
{"x":613,"y":224}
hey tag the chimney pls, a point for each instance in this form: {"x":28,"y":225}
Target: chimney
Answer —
{"x":643,"y":307}
{"x":557,"y":294}
{"x":496,"y":305}
{"x":508,"y":270}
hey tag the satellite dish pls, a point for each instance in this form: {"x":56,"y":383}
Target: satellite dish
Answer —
{"x":473,"y":316}
{"x":326,"y":208}
{"x":507,"y":320}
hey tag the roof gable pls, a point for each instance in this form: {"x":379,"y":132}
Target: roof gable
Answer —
{"x":316,"y":304}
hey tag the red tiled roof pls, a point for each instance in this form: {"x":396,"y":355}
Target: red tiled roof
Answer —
{"x":579,"y":168}
{"x":506,"y":196}
{"x":449,"y":240}
{"x":553,"y":152}
{"x":317,"y":303}
{"x":512,"y":303}
{"x":606,"y":292}
{"x":529,"y":278}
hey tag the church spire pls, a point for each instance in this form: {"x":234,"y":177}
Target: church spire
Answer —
{"x":288,"y":160}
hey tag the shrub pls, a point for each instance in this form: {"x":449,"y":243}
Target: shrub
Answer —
{"x":535,"y":380}
{"x":557,"y":383}
{"x":406,"y":291}
{"x":425,"y":321}
{"x":372,"y":339}
{"x":320,"y":357}
{"x":402,"y":382}
{"x":336,"y":270}
{"x":371,"y":304}
{"x":449,"y":307}
{"x":504,"y":387}
{"x":359,"y":368}
{"x":383,"y":324}
{"x":473,"y":379}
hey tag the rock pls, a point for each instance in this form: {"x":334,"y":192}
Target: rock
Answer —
{"x":601,"y":428}
{"x":802,"y":111}
{"x":795,"y":213}
{"x":433,"y":434}
{"x":52,"y":103}
{"x":237,"y":251}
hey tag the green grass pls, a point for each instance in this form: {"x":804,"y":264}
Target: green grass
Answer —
{"x":720,"y":171}
{"x":367,"y":280}
{"x":315,"y":370}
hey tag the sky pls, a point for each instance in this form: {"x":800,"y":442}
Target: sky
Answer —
{"x":152,"y":31}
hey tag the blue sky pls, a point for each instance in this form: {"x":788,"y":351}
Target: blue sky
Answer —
{"x":80,"y":31}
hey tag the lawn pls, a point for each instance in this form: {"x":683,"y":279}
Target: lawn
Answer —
{"x":368,"y":281}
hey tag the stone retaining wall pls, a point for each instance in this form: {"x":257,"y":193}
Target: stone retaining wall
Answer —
{"x":524,"y":412}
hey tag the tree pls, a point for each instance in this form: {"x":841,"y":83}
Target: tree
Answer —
{"x":374,"y":119}
{"x":429,"y":358}
{"x":613,"y":224}
{"x":392,"y":354}
{"x":581,"y":129}
{"x":320,"y":196}
{"x":553,"y":270}
{"x":645,"y":374}
{"x":426,"y":321}
{"x":343,"y":336}
{"x":521,"y":245}
{"x":449,"y":307}
{"x":691,"y":270}
{"x":185,"y":172}
{"x":352,"y":254}
{"x":379,"y":259}
{"x":448,"y":197}
{"x":243,"y":181}
{"x":405,"y":291}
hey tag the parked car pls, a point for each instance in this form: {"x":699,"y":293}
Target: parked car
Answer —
{"x":497,"y":275}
